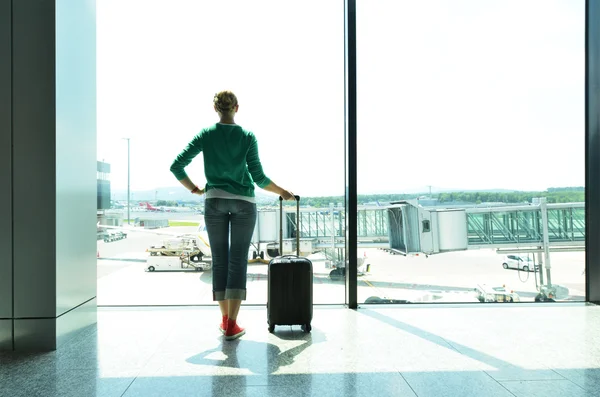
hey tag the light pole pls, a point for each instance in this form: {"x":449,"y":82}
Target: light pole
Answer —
{"x":128,"y":182}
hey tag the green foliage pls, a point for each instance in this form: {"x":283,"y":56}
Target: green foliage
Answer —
{"x":182,"y":223}
{"x":553,"y":195}
{"x":165,"y":203}
{"x":568,"y":189}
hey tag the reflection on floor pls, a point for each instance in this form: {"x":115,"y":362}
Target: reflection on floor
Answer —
{"x":483,"y":350}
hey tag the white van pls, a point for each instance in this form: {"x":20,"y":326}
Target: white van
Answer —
{"x":524,"y":263}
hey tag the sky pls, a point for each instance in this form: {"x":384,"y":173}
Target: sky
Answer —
{"x":463,"y":94}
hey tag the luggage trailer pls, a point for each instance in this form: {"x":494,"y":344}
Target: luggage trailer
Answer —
{"x":178,"y":254}
{"x":182,"y":262}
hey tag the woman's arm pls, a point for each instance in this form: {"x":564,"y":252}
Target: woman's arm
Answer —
{"x":272,"y":187}
{"x":259,"y":177}
{"x":185,"y":158}
{"x":189,"y":185}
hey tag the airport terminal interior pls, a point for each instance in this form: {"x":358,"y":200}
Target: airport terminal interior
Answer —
{"x":454,"y":255}
{"x":523,"y":350}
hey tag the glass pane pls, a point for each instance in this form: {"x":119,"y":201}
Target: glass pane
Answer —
{"x":159,"y":65}
{"x":471,"y":150}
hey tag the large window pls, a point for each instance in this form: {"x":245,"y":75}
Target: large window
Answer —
{"x":471,"y":150}
{"x":159,"y":65}
{"x":470,"y":143}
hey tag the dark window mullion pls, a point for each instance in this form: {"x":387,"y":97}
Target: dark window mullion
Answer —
{"x":351,"y":152}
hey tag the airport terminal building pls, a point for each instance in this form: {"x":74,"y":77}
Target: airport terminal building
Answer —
{"x":55,"y":338}
{"x":103,"y":179}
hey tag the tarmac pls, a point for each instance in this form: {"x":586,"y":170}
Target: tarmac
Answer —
{"x":442,"y":278}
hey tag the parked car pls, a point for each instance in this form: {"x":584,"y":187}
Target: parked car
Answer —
{"x":524,"y":263}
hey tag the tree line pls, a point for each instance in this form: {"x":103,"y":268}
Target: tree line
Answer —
{"x":553,"y":195}
{"x":558,"y":196}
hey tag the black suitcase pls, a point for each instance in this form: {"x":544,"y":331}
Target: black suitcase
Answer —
{"x":290,"y":284}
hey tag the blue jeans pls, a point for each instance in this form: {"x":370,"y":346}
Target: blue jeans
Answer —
{"x":229,"y":256}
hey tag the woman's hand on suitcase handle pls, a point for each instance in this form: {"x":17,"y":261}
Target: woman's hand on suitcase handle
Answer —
{"x":283,"y":194}
{"x":287,"y":195}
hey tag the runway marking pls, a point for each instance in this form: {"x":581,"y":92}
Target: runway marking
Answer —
{"x":368,"y":283}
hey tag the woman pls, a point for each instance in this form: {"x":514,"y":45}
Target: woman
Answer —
{"x":231,"y":167}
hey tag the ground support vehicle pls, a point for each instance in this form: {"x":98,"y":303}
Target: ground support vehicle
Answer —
{"x":485,"y":293}
{"x":481,"y":293}
{"x":181,"y":253}
{"x":175,"y":247}
{"x":177,"y":263}
{"x":339,"y":268}
{"x":551,"y":293}
{"x":109,"y":236}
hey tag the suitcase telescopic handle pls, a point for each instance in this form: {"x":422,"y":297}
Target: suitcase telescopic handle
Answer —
{"x":297,"y":225}
{"x":296,"y":196}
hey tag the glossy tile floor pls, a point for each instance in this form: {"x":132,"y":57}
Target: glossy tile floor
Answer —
{"x":481,"y":350}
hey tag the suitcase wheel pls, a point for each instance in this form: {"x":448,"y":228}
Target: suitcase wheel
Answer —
{"x":271,"y":328}
{"x":306,"y":328}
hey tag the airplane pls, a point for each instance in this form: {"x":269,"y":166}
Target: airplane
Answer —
{"x":181,"y":207}
{"x":149,"y":207}
{"x":117,"y":205}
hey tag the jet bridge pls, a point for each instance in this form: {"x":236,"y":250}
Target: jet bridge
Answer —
{"x":266,"y":231}
{"x":536,"y":227}
{"x":414,"y":229}
{"x":406,"y":227}
{"x":409,"y":228}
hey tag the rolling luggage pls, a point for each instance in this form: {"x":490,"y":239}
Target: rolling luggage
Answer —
{"x":290,"y":284}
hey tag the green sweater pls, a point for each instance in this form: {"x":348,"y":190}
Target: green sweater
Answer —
{"x":231,"y":161}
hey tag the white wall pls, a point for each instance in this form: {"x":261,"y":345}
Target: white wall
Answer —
{"x":47,"y":171}
{"x":76,"y":197}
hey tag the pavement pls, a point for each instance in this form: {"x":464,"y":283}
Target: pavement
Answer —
{"x":448,"y":277}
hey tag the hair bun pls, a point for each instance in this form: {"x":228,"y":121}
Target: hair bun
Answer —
{"x":225,"y":101}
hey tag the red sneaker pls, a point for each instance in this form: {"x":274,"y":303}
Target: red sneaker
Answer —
{"x":234,"y":331}
{"x":223,"y":326}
